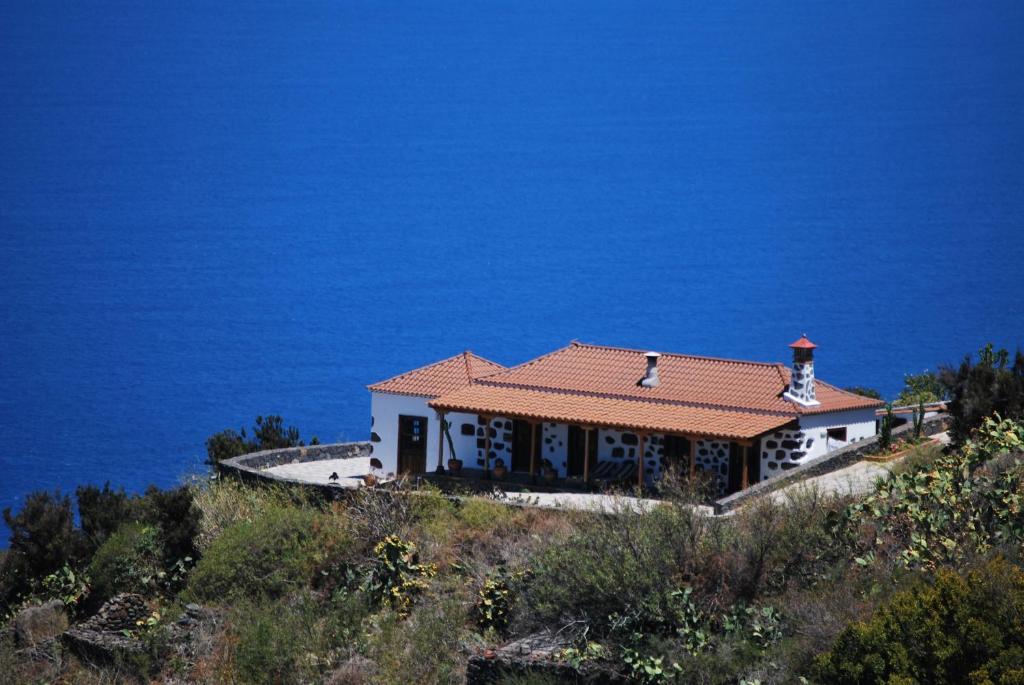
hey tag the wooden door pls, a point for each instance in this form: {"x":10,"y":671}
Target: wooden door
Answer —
{"x":677,"y":455}
{"x":737,"y":453}
{"x":577,"y":443}
{"x":412,"y":444}
{"x":522,"y":433}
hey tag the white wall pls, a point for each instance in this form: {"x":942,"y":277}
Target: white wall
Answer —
{"x":385,"y":408}
{"x":859,"y":423}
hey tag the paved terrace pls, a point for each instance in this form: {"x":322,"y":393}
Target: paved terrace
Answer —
{"x":856,"y":478}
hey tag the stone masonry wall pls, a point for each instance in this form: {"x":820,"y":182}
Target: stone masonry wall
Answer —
{"x":500,"y":431}
{"x":784,"y":450}
{"x":713,"y":456}
{"x":826,"y":463}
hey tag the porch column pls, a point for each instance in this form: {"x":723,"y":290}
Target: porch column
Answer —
{"x":487,"y":446}
{"x":745,"y":482}
{"x":533,"y":449}
{"x":640,"y":461}
{"x":440,"y":443}
{"x":586,"y":455}
{"x":693,"y":457}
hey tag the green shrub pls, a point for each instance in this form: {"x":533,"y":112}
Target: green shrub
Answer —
{"x":959,"y":505}
{"x":271,"y":641}
{"x":269,"y":433}
{"x":979,"y":390}
{"x":397,"y":576}
{"x":176,"y":517}
{"x":129,"y":561}
{"x":43,"y":540}
{"x":612,"y":564}
{"x":268,"y":556}
{"x":101,"y":512}
{"x":957,"y":630}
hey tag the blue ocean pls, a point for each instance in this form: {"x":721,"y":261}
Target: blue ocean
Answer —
{"x":210,"y":211}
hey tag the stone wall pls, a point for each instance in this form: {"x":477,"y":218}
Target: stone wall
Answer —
{"x":500,"y":431}
{"x":784,"y":450}
{"x":713,"y":456}
{"x":831,"y":461}
{"x":250,"y":467}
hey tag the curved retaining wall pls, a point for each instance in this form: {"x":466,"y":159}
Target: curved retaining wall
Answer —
{"x":250,"y":467}
{"x":826,"y":463}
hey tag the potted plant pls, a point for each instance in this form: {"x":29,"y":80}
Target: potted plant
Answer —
{"x":454,"y":466}
{"x":499,"y":468}
{"x":549,"y":471}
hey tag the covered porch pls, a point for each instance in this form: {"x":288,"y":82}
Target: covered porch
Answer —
{"x":543,"y":453}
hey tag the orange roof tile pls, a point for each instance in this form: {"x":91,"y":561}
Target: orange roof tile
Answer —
{"x":440,"y":377}
{"x":705,"y":381}
{"x":628,"y":414}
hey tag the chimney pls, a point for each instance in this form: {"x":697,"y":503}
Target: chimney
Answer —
{"x":801,"y":383}
{"x":650,"y":379}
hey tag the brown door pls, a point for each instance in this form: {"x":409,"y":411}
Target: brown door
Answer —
{"x":412,"y":444}
{"x":522,"y":432}
{"x":754,"y":462}
{"x":677,"y":455}
{"x":577,"y":443}
{"x":737,"y":453}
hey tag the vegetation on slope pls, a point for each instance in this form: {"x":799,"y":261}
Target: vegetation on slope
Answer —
{"x":920,"y":581}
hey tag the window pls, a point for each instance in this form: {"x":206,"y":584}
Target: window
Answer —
{"x":837,"y":434}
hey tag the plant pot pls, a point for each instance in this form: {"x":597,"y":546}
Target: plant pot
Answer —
{"x":454,"y":466}
{"x":550,"y":475}
{"x":499,"y":472}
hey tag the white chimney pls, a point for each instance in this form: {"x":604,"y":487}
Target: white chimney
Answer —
{"x":801,"y":382}
{"x":650,"y":379}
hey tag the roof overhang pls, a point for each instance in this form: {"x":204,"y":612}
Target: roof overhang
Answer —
{"x":610,"y":412}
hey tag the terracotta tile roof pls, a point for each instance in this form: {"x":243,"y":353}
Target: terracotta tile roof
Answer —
{"x":440,"y":377}
{"x":628,"y":414}
{"x":707,"y":381}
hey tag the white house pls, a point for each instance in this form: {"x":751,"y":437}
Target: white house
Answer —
{"x":587,"y":410}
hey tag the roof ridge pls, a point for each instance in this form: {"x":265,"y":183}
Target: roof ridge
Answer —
{"x":528,"y":362}
{"x":675,"y":354}
{"x":418,"y":369}
{"x":635,"y":398}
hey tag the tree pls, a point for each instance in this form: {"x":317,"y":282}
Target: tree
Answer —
{"x":269,"y":433}
{"x":101,"y":512}
{"x":922,"y":387}
{"x":864,"y":392}
{"x":43,"y":540}
{"x":976,"y":391}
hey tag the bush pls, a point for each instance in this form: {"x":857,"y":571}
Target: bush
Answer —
{"x":177,"y":518}
{"x":269,"y":556}
{"x":979,"y":390}
{"x":864,"y":392}
{"x":922,"y":387}
{"x":959,"y":630}
{"x":43,"y":540}
{"x":101,"y":512}
{"x":269,"y":433}
{"x":129,"y":561}
{"x":612,"y":564}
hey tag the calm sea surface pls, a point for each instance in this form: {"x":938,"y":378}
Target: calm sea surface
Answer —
{"x":210,"y":211}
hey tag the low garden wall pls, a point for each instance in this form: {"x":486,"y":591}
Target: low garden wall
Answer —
{"x":832,"y":461}
{"x":250,"y":467}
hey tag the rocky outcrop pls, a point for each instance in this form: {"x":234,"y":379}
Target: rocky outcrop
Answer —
{"x":102,"y":636}
{"x":35,"y":624}
{"x":531,"y":656}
